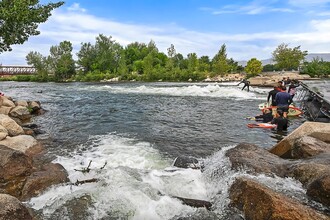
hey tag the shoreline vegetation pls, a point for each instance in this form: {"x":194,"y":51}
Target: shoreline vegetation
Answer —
{"x":303,"y":155}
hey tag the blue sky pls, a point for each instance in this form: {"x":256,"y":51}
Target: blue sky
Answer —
{"x":250,"y":29}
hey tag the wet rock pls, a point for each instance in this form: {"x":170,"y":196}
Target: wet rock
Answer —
{"x":186,"y":162}
{"x":34,"y":106}
{"x":12,"y":127}
{"x":256,"y":159}
{"x":259,"y":202}
{"x":307,"y":146}
{"x":319,"y":189}
{"x":306,"y":173}
{"x":317,"y":130}
{"x":12,"y":209}
{"x":75,"y":209}
{"x":39,"y":181}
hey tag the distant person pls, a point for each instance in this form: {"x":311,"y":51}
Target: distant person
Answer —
{"x":283,"y":100}
{"x":292,"y":88}
{"x":287,"y":81}
{"x":266,"y":117}
{"x":280,"y":121}
{"x":246,"y":84}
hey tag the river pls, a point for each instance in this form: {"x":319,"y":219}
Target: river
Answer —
{"x":130,"y":133}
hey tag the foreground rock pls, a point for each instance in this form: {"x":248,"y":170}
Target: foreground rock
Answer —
{"x":287,"y":148}
{"x":12,"y":209}
{"x":258,"y":202}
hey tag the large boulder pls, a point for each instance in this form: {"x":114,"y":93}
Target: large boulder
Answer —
{"x":5,"y":110}
{"x":21,"y":103}
{"x":13,"y":163}
{"x":21,"y":113}
{"x":259,"y":202}
{"x":12,"y":127}
{"x":256,"y":159}
{"x":307,"y":146}
{"x":5,"y":101}
{"x":21,"y":143}
{"x":12,"y":209}
{"x":317,"y":130}
{"x":49,"y":175}
{"x":319,"y":189}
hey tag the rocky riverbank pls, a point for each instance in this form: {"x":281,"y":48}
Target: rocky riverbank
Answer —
{"x":22,"y":174}
{"x":269,"y":79}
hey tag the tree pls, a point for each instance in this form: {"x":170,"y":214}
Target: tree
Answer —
{"x":219,"y":62}
{"x":61,"y":61}
{"x":40,"y":63}
{"x":253,"y":67}
{"x":19,"y":20}
{"x":288,"y":58}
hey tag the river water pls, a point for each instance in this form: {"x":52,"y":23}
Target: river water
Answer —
{"x":130,"y":134}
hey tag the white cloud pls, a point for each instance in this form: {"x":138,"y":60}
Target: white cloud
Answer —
{"x":76,"y":7}
{"x":79,"y":27}
{"x":304,"y":3}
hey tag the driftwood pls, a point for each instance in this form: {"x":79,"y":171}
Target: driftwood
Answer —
{"x":87,"y":169}
{"x":195,"y":202}
{"x":78,"y":182}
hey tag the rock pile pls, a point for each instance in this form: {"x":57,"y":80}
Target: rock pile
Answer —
{"x":20,"y":177}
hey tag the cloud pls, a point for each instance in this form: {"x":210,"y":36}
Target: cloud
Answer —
{"x":78,"y":27}
{"x":76,"y":7}
{"x":305,"y":3}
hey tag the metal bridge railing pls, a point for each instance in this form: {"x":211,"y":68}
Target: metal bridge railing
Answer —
{"x":17,"y":70}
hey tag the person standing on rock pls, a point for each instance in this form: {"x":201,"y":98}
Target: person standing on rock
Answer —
{"x":246,"y":84}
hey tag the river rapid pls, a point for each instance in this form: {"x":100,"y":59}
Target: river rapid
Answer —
{"x":130,"y":134}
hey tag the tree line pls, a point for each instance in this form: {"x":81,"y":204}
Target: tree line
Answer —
{"x":107,"y":59}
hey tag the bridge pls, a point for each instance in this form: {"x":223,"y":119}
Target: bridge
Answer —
{"x":17,"y":70}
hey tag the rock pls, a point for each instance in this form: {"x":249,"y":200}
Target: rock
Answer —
{"x":20,"y":112}
{"x":13,"y":163}
{"x":6,"y":102}
{"x":5,"y":110}
{"x":21,"y":103}
{"x":307,"y":146}
{"x":258,"y":202}
{"x":34,"y":106}
{"x":306,"y":173}
{"x":313,"y":129}
{"x":3,"y":132}
{"x":319,"y":189}
{"x":186,"y":162}
{"x":41,"y":180}
{"x":12,"y":209}
{"x":257,"y":160}
{"x":21,"y":143}
{"x":12,"y":127}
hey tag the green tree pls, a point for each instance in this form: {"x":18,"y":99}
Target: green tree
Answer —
{"x":219,"y":62}
{"x":19,"y":19}
{"x":288,"y":58}
{"x":61,"y":61}
{"x":253,"y":67}
{"x":86,"y":57}
{"x":40,"y":63}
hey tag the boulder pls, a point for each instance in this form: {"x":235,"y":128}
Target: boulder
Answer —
{"x":3,"y":132}
{"x":307,"y":146}
{"x":34,"y":106}
{"x":256,"y":160}
{"x":317,"y":130}
{"x":5,"y":110}
{"x":187,"y":162}
{"x":39,"y":181}
{"x":12,"y":127}
{"x":20,"y":112}
{"x":22,"y":103}
{"x":12,"y":209}
{"x":319,"y":189}
{"x":13,"y":163}
{"x":5,"y":101}
{"x":259,"y":202}
{"x":21,"y":143}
